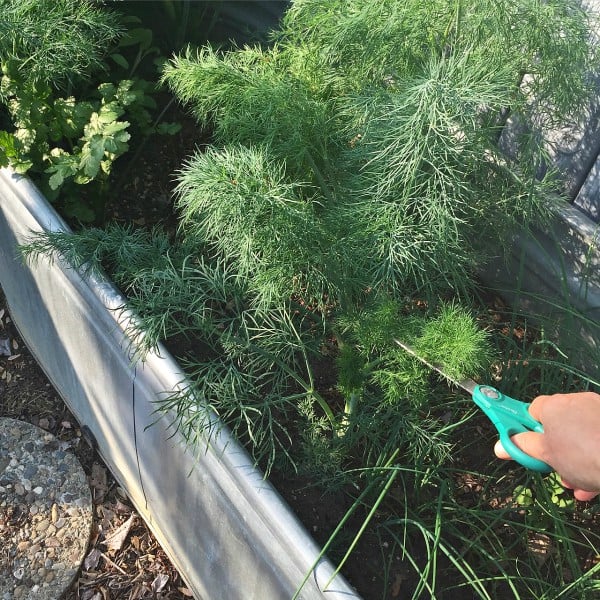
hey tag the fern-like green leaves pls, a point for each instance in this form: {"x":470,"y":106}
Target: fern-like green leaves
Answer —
{"x":240,"y":202}
{"x":250,"y":97}
{"x":53,"y":42}
{"x":453,"y":339}
{"x":355,"y":166}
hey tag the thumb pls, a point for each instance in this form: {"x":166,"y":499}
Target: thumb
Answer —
{"x":530,"y":442}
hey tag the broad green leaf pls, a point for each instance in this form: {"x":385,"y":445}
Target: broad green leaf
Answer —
{"x":562,"y":500}
{"x":22,"y":166}
{"x":26,"y":137}
{"x":81,"y":179}
{"x":523,"y":496}
{"x":137,"y":35}
{"x":56,"y":180}
{"x":107,"y":90}
{"x":93,"y":127}
{"x":117,"y":144}
{"x":91,"y":155}
{"x":109,"y":112}
{"x":7,"y":143}
{"x":120,"y":60}
{"x":124,"y":86}
{"x":126,"y":94}
{"x":81,"y":115}
{"x":69,"y":117}
{"x":168,"y":128}
{"x":64,"y":165}
{"x":146,"y":101}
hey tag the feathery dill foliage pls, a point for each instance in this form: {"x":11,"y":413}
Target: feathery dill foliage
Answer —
{"x":452,"y":338}
{"x":241,"y":204}
{"x":55,"y":41}
{"x":355,"y":164}
{"x":393,"y":112}
{"x":387,"y":388}
{"x":249,"y":97}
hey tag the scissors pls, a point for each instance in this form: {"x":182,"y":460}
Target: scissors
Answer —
{"x":508,"y":415}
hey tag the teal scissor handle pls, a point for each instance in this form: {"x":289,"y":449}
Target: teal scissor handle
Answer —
{"x":510,"y":416}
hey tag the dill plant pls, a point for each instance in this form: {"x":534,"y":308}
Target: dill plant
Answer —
{"x":356,"y":159}
{"x":354,"y":165}
{"x":55,"y":42}
{"x":398,"y":139}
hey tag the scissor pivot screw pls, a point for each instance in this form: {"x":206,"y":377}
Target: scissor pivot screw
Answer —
{"x":490,"y":392}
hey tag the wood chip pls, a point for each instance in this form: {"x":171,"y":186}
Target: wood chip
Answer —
{"x":159,"y":582}
{"x":98,"y":482}
{"x":91,"y":560}
{"x":116,"y":539}
{"x":186,"y":592}
{"x":540,"y":545}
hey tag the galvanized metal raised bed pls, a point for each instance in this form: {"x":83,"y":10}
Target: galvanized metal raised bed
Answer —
{"x":554,"y":275}
{"x":223,"y":525}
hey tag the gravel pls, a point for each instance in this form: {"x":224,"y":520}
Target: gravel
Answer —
{"x":46,"y":513}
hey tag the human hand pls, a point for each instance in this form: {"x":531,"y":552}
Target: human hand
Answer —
{"x":570,"y":443}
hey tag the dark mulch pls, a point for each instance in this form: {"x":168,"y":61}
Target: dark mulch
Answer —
{"x":124,"y":560}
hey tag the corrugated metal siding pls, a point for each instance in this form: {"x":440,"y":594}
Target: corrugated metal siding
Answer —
{"x":576,"y":148}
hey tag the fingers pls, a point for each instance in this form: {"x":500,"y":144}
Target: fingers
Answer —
{"x":500,"y":452}
{"x":563,"y":421}
{"x":556,"y":402}
{"x":530,"y":442}
{"x":582,"y":495}
{"x":535,"y":408}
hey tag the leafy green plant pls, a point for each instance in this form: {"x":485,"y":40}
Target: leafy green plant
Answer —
{"x":59,"y":130}
{"x":346,"y":177}
{"x":455,"y":543}
{"x":55,"y":42}
{"x":398,"y":145}
{"x":374,"y":370}
{"x":350,"y":172}
{"x":42,"y":124}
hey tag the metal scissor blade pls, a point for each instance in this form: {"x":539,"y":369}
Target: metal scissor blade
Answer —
{"x":466,"y":384}
{"x":508,"y":415}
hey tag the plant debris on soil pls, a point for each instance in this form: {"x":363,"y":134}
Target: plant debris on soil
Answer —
{"x":123,"y":559}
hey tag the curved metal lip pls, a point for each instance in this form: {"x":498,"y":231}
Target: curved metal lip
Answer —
{"x":275,"y":515}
